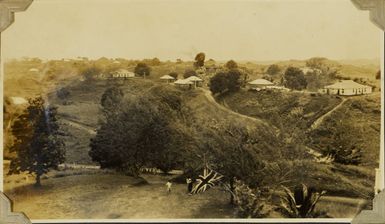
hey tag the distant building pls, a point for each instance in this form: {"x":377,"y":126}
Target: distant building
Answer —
{"x":183,"y":84}
{"x":167,"y":78}
{"x":346,"y":88}
{"x":195,"y":80}
{"x":306,"y":70}
{"x":123,"y":74}
{"x":259,"y":84}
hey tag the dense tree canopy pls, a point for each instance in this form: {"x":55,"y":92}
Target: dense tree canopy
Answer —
{"x":231,"y":65}
{"x":294,"y":79}
{"x":226,"y":81}
{"x":140,"y":134}
{"x":199,"y":60}
{"x":273,"y":69}
{"x":38,"y":145}
{"x":173,"y":74}
{"x":142,"y":69}
{"x":188,"y":73}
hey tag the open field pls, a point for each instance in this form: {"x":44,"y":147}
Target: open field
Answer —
{"x":82,"y":194}
{"x":110,"y":196}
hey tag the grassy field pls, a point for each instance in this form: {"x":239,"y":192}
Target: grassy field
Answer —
{"x":103,"y":195}
{"x":281,"y":108}
{"x":97,"y":194}
{"x":358,"y":121}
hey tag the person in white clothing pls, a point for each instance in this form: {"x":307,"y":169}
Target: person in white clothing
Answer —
{"x":168,"y":186}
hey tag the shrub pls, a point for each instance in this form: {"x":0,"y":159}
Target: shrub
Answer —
{"x":300,"y":203}
{"x":248,"y":202}
{"x":142,"y":69}
{"x":174,"y":75}
{"x":294,"y":79}
{"x":226,"y":82}
{"x":188,"y":73}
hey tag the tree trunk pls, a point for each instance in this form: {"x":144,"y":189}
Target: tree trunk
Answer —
{"x":38,"y":184}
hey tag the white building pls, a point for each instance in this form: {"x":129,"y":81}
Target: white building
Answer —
{"x":306,"y":70}
{"x":346,"y":88}
{"x":196,"y":80}
{"x":260,"y":84}
{"x":183,"y":83}
{"x":167,"y":78}
{"x":123,"y":73}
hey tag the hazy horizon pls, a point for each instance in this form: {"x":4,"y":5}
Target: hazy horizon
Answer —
{"x":243,"y":31}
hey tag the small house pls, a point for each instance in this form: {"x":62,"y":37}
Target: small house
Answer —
{"x":183,"y":84}
{"x":307,"y":70}
{"x":195,"y":80}
{"x":346,"y":88}
{"x":259,"y":84}
{"x":123,"y":74}
{"x":167,"y":78}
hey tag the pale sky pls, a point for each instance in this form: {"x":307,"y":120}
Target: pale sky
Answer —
{"x":239,"y":30}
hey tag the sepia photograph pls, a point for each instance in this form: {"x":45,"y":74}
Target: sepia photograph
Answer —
{"x":167,"y":109}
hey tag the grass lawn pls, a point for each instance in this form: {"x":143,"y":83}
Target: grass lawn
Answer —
{"x":101,"y":195}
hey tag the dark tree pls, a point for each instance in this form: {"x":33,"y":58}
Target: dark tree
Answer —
{"x":89,"y":74}
{"x":173,"y":74}
{"x":316,"y":62}
{"x":199,"y":60}
{"x":111,"y":100}
{"x":294,"y":79}
{"x":139,"y":134}
{"x":273,"y":69}
{"x":219,"y":83}
{"x":155,"y":62}
{"x":179,"y":61}
{"x":142,"y":69}
{"x":188,"y":73}
{"x":229,"y":81}
{"x":233,"y":80}
{"x":38,"y":145}
{"x":378,"y":75}
{"x":231,"y":65}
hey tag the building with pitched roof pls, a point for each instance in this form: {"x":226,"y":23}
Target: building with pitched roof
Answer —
{"x":346,"y":88}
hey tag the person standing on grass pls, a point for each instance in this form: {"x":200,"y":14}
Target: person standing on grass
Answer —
{"x":189,"y":185}
{"x":168,"y":186}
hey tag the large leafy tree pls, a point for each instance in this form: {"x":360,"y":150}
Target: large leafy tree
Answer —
{"x":231,"y":65}
{"x":142,"y":69}
{"x":139,"y":134}
{"x":111,"y":100}
{"x":199,"y":60}
{"x":226,"y":81}
{"x":189,"y":73}
{"x":273,"y":69}
{"x":294,"y":78}
{"x":38,"y":145}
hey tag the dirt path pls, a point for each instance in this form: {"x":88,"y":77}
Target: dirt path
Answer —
{"x":79,"y":125}
{"x":211,"y":99}
{"x":319,"y":121}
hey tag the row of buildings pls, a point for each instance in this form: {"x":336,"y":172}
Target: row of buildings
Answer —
{"x":343,"y":87}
